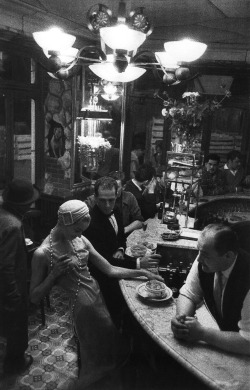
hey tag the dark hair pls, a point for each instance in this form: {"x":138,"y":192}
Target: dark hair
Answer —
{"x":111,"y":140}
{"x":145,"y":172}
{"x":212,"y":156}
{"x":233,"y":154}
{"x":225,"y":239}
{"x":107,"y":183}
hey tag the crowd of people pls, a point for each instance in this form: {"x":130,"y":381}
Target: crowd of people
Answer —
{"x":228,"y":179}
{"x":85,"y":254}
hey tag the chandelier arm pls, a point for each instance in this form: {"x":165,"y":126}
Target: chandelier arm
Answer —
{"x":140,"y":53}
{"x":156,"y":72}
{"x":89,"y":59}
{"x":94,"y":50}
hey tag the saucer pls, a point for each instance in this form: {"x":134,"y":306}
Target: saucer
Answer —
{"x":142,"y":292}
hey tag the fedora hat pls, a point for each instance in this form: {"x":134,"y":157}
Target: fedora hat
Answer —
{"x":20,"y":192}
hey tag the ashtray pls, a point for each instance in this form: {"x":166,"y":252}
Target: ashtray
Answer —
{"x":171,"y":235}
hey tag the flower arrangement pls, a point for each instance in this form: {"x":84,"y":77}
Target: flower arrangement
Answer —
{"x":187,"y":116}
{"x":92,"y":151}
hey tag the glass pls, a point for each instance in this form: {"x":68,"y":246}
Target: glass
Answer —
{"x":144,"y":228}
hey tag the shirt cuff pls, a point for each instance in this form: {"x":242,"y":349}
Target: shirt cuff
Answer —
{"x":138,"y":263}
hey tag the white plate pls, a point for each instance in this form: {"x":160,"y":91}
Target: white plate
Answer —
{"x":128,"y":252}
{"x":28,"y":241}
{"x":142,"y":292}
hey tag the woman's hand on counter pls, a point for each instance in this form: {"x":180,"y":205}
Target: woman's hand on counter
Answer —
{"x":150,"y":275}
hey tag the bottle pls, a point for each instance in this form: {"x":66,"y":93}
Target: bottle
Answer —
{"x":160,"y":211}
{"x":183,"y":276}
{"x":176,"y":278}
{"x":181,"y":205}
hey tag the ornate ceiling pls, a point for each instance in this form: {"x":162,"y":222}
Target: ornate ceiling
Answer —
{"x":223,"y":24}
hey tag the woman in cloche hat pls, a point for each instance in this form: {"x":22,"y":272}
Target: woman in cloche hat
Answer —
{"x":17,"y":198}
{"x":62,"y":259}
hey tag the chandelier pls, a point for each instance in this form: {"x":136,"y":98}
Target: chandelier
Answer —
{"x":117,"y":58}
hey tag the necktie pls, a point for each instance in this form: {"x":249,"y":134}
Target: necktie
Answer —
{"x":218,"y":289}
{"x":113,"y":223}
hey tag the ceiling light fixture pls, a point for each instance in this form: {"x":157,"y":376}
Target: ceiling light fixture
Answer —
{"x":122,"y":35}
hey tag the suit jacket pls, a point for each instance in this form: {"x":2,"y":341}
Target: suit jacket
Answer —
{"x":101,"y":233}
{"x":147,"y":202}
{"x":13,"y":265}
{"x":126,"y":203}
{"x":102,"y":236}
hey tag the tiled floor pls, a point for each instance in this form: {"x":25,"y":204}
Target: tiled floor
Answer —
{"x":52,"y":347}
{"x":54,"y":352}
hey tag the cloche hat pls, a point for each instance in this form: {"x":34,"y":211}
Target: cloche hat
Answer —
{"x":20,"y":192}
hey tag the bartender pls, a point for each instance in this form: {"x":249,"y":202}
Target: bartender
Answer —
{"x":212,"y":180}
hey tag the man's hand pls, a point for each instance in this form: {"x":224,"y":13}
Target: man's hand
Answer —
{"x":118,"y":254}
{"x":195,"y":329}
{"x":179,"y":328}
{"x":150,"y":261}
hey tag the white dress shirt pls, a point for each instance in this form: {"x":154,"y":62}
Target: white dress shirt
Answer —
{"x":192,"y":290}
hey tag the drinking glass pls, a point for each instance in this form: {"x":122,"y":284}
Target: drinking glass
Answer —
{"x":144,"y":228}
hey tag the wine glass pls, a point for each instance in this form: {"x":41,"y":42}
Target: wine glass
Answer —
{"x":144,"y":228}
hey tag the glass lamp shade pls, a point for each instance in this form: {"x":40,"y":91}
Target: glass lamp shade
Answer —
{"x":122,"y":37}
{"x":185,"y":50}
{"x":66,"y":56}
{"x":54,"y":39}
{"x":107,"y":71}
{"x":165,"y":60}
{"x":110,"y":89}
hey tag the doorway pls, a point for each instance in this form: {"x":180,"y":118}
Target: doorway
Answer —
{"x":17,"y":136}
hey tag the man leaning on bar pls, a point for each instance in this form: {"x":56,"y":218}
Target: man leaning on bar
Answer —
{"x":220,"y":276}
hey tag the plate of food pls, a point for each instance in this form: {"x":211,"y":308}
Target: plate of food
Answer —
{"x":154,"y":290}
{"x":170,"y":235}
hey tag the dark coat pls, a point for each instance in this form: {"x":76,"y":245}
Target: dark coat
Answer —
{"x":147,"y":202}
{"x":13,"y":283}
{"x":235,"y":292}
{"x":102,"y":235}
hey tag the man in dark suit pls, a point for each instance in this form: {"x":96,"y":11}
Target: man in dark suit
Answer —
{"x":106,"y":233}
{"x":17,"y":198}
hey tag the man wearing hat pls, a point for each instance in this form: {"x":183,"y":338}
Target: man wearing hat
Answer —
{"x":17,"y":199}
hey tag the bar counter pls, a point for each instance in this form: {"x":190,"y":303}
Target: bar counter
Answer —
{"x":215,"y":368}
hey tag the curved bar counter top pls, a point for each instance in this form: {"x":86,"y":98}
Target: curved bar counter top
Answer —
{"x":217,"y":369}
